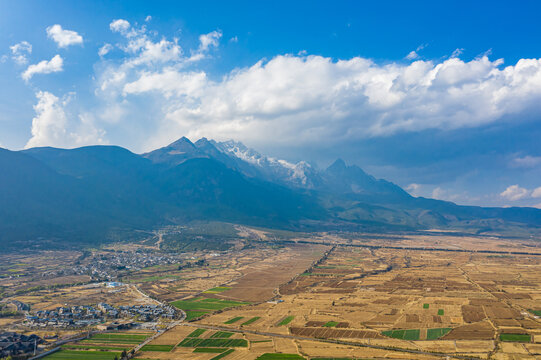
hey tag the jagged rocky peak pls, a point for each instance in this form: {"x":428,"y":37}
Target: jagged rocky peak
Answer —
{"x":183,"y":145}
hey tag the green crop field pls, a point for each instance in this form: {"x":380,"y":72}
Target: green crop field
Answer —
{"x":111,"y":341}
{"x":426,"y":306}
{"x":410,"y":334}
{"x":197,"y":333}
{"x":190,"y":315}
{"x":515,"y":337}
{"x":280,"y":357}
{"x":165,"y":348}
{"x":224,"y":354}
{"x":209,"y":350}
{"x":251,"y":321}
{"x":217,"y":290}
{"x":221,"y":335}
{"x":234,"y":320}
{"x":441,"y":312}
{"x":535,"y":312}
{"x":286,"y":320}
{"x":436,"y":333}
{"x":196,"y":342}
{"x":330,"y":324}
{"x":95,"y":347}
{"x":80,"y":354}
{"x":200,"y":306}
{"x":118,"y":336}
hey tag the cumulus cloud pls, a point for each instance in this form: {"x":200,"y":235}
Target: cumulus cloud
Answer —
{"x":51,"y":127}
{"x":413,"y":55}
{"x":527,"y":161}
{"x":62,"y":37}
{"x":120,"y":25}
{"x":105,"y":49}
{"x":515,"y":192}
{"x":413,"y":189}
{"x":49,"y":124}
{"x":312,"y":98}
{"x":20,"y":52}
{"x":305,"y":99}
{"x":536,"y":193}
{"x":44,"y":67}
{"x":209,"y":40}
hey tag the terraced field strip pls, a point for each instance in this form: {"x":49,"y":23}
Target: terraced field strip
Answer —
{"x":164,"y":348}
{"x":197,"y":333}
{"x":409,"y":334}
{"x":95,"y":347}
{"x":81,"y":354}
{"x":330,"y":324}
{"x":199,"y":306}
{"x":234,"y":320}
{"x":516,"y":337}
{"x":222,"y":355}
{"x":209,"y":350}
{"x":270,"y":356}
{"x":217,"y":290}
{"x":196,"y":342}
{"x":286,"y":320}
{"x":251,"y":321}
{"x":221,"y":335}
{"x":436,"y":333}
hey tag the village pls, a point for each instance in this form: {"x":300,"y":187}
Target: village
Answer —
{"x":77,"y":316}
{"x":111,"y":265}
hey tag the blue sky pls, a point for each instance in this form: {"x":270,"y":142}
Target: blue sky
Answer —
{"x":441,"y":98}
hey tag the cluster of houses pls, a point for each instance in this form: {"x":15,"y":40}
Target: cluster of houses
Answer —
{"x":66,"y":316}
{"x":13,"y":344}
{"x":108,"y":266}
{"x":148,"y":312}
{"x":84,"y":316}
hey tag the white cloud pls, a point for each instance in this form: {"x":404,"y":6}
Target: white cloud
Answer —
{"x":536,"y":193}
{"x":412,"y":55}
{"x":44,"y":67}
{"x":209,"y":40}
{"x":309,"y":99}
{"x":62,"y":37}
{"x":120,"y":25}
{"x":49,"y":124}
{"x":148,"y":18}
{"x":20,"y":51}
{"x":105,"y":49}
{"x":438,"y":193}
{"x":457,"y":52}
{"x":234,"y":39}
{"x":413,"y":189}
{"x":527,"y":161}
{"x":514,"y":193}
{"x":51,"y":127}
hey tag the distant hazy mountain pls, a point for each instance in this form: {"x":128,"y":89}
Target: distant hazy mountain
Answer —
{"x":53,"y":196}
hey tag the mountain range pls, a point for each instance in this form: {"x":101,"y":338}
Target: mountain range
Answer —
{"x":51,"y":196}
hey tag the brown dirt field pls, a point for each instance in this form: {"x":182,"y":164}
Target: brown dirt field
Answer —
{"x":473,"y":313}
{"x":479,"y":331}
{"x":330,"y":333}
{"x":259,"y":281}
{"x":502,"y":312}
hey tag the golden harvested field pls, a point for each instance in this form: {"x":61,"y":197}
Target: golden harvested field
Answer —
{"x":432,"y":300}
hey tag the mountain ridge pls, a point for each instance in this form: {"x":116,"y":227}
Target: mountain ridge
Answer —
{"x":88,"y":193}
